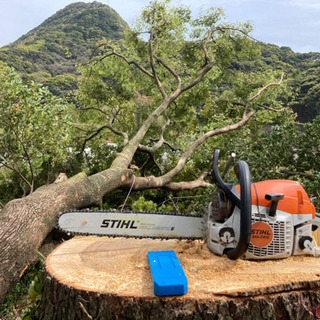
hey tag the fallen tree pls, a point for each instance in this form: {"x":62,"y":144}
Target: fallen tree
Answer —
{"x":25,"y":222}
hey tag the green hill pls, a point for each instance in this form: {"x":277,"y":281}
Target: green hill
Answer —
{"x":302,"y":71}
{"x":49,"y":53}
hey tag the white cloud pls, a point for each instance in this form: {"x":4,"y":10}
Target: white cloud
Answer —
{"x":312,"y":4}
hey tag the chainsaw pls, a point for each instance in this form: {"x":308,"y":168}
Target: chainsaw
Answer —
{"x":270,"y":219}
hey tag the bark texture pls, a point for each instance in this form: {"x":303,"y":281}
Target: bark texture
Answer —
{"x":101,"y":278}
{"x":26,"y":222}
{"x":63,"y":302}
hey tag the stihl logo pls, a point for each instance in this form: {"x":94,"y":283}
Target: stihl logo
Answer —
{"x":126,"y":224}
{"x":261,"y":232}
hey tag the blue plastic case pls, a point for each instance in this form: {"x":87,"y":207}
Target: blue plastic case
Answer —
{"x":168,"y":276}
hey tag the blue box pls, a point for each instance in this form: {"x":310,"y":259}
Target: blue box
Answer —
{"x":168,"y":276}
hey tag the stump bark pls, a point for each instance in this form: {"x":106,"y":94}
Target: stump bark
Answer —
{"x":103,"y":278}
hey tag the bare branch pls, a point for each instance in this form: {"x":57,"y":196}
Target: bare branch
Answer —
{"x":107,"y":126}
{"x":205,"y":44}
{"x":260,"y":105}
{"x":209,"y":63}
{"x":182,"y":161}
{"x":134,"y":63}
{"x":152,"y":150}
{"x":170,"y":146}
{"x":91,"y":137}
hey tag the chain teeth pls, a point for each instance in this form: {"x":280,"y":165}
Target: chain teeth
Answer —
{"x":127,"y":236}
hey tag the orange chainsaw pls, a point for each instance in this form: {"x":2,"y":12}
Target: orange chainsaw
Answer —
{"x":265,"y":220}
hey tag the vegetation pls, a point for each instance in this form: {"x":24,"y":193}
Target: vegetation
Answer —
{"x":50,"y":52}
{"x":144,"y":113}
{"x":34,"y":134}
{"x":24,"y":299}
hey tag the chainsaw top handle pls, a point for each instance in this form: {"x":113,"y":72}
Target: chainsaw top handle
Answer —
{"x":243,"y":202}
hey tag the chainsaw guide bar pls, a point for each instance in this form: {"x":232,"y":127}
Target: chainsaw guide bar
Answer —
{"x":132,"y":224}
{"x":270,"y":219}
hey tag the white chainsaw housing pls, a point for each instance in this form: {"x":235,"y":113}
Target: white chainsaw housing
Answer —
{"x":291,"y":234}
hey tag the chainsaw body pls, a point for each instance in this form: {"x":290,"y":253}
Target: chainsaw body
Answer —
{"x":266,"y":220}
{"x":281,"y":219}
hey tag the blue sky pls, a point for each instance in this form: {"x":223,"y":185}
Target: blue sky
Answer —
{"x":292,"y":23}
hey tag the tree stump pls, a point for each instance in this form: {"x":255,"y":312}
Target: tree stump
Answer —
{"x":106,"y":278}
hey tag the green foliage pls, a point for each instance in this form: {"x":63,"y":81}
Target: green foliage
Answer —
{"x":119,"y":92}
{"x":24,"y":300}
{"x":184,"y":202}
{"x":288,"y":151}
{"x":143,"y":205}
{"x":62,"y":85}
{"x":303,"y":76}
{"x":68,"y":37}
{"x":63,"y":40}
{"x":34,"y":131}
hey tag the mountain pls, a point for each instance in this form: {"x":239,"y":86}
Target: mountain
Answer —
{"x":303,"y":76}
{"x":49,"y":53}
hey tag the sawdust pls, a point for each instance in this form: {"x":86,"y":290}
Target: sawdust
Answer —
{"x":120,"y":266}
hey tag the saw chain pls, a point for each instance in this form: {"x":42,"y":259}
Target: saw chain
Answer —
{"x":132,"y":224}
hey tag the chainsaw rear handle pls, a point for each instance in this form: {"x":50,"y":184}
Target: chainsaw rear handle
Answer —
{"x":235,"y":199}
{"x":243,"y":202}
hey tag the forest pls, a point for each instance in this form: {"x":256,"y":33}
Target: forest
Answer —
{"x":91,"y":108}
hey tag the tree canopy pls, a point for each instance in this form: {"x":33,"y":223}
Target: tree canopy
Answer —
{"x":169,"y":86}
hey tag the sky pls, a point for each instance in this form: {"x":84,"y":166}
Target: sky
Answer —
{"x":290,"y":23}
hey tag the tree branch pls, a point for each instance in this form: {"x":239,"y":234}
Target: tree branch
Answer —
{"x":152,"y":150}
{"x":152,"y":53}
{"x":173,"y":72}
{"x":153,"y":159}
{"x":18,"y":172}
{"x":245,"y":118}
{"x":152,"y":182}
{"x":93,"y":108}
{"x":27,"y":155}
{"x":264,"y":89}
{"x":129,"y":62}
{"x":159,"y":142}
{"x":297,"y":173}
{"x":107,"y":126}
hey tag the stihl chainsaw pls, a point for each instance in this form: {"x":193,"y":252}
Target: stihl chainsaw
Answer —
{"x":265,"y":220}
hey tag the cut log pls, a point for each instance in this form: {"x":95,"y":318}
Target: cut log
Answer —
{"x":104,"y":278}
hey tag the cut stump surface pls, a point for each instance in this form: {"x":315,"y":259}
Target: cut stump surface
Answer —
{"x":119,"y":268}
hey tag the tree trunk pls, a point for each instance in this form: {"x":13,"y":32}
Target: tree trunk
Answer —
{"x":103,"y":278}
{"x":26,"y":222}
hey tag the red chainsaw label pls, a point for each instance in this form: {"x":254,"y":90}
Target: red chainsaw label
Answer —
{"x":261,"y":234}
